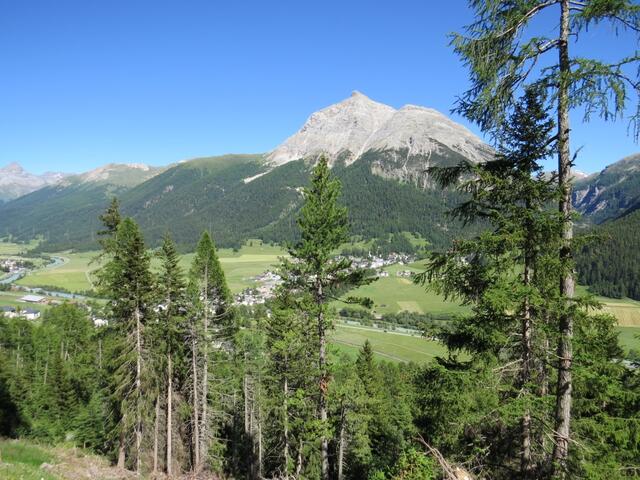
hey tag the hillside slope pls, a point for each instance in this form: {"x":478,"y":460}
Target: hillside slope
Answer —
{"x":611,"y":264}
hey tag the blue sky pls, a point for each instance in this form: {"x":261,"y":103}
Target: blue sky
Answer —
{"x":85,"y":83}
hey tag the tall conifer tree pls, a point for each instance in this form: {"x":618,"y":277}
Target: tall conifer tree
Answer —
{"x":170,"y":333}
{"x":315,"y":273}
{"x":212,"y":316}
{"x":126,"y":279}
{"x":512,"y":193}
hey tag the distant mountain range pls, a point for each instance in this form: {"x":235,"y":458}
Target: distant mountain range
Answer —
{"x":15,"y":181}
{"x":380,"y":153}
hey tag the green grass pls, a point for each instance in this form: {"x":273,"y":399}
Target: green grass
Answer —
{"x":393,"y":294}
{"x":629,"y":338}
{"x":74,"y":275}
{"x":12,"y":299}
{"x":390,"y":295}
{"x":20,"y":460}
{"x":9,"y":248}
{"x":239,"y":267}
{"x":386,"y":345}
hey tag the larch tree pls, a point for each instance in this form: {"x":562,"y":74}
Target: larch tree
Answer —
{"x":503,"y":52}
{"x":315,"y":273}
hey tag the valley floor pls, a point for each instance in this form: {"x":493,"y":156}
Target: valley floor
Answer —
{"x":390,"y":294}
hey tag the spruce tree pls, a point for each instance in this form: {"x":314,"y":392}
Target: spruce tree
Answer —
{"x":290,"y":370}
{"x":170,"y":332}
{"x":211,"y":317}
{"x":126,"y":280}
{"x":504,"y":273}
{"x":315,"y":273}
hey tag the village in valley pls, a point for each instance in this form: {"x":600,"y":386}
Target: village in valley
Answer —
{"x":267,"y":282}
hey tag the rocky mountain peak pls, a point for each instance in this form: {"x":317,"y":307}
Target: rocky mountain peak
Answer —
{"x":350,"y":128}
{"x":13,"y":168}
{"x":340,"y":128}
{"x":15,"y":181}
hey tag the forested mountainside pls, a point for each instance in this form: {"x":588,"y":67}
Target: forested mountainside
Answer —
{"x":610,"y":264}
{"x":236,"y":197}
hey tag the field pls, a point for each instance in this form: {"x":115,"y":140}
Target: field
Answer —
{"x":8,"y":248}
{"x":20,"y":460}
{"x":388,"y":346}
{"x":239,"y":267}
{"x":25,"y":460}
{"x":630,"y":338}
{"x":626,"y":311}
{"x":11,"y":299}
{"x":390,"y":294}
{"x":393,"y":294}
{"x":73,"y":275}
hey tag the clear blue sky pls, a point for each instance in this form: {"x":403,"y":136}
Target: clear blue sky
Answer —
{"x":84,"y":83}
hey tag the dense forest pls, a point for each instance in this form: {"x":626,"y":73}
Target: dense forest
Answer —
{"x":610,"y":261}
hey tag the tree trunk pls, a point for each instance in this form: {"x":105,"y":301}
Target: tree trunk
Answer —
{"x":100,"y":354}
{"x":169,"y":413}
{"x":526,"y":464}
{"x":324,"y":384}
{"x":156,"y":435}
{"x":138,"y":432}
{"x":341,"y":444}
{"x":567,"y":285}
{"x":259,"y":458}
{"x":299,"y":462}
{"x":285,"y":426}
{"x":205,"y":369}
{"x":196,"y":406}
{"x":122,"y":444}
{"x":245,"y":388}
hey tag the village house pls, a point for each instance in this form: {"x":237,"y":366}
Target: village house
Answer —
{"x":8,"y":312}
{"x":30,"y":313}
{"x":12,"y":312}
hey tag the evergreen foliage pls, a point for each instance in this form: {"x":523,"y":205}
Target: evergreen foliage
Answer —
{"x":609,"y":262}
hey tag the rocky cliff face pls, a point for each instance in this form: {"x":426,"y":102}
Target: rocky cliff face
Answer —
{"x":609,"y":193}
{"x":406,"y":141}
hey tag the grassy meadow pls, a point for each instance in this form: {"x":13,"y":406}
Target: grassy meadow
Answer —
{"x":12,"y":299}
{"x":10,"y":248}
{"x":74,"y":274}
{"x":396,"y":347}
{"x":393,"y":294}
{"x":21,"y":460}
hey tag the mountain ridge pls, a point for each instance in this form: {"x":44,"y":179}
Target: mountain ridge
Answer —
{"x":350,"y":128}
